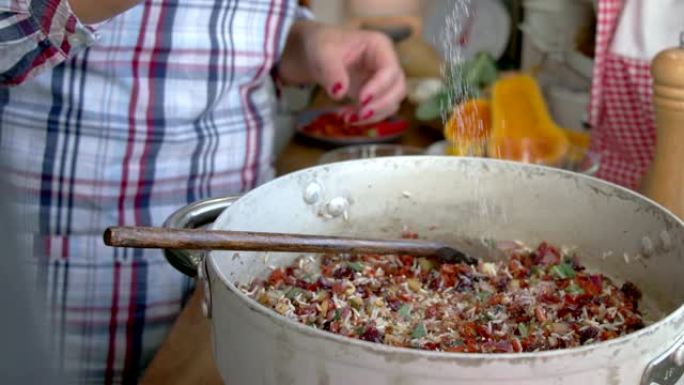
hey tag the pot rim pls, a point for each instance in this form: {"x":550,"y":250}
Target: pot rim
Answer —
{"x":454,"y":356}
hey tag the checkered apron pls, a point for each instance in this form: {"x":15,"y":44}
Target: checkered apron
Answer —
{"x":621,"y":111}
{"x":165,"y":104}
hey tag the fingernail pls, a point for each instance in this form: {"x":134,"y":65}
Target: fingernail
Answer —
{"x":366,"y":100}
{"x":337,"y":87}
{"x":368,"y":114}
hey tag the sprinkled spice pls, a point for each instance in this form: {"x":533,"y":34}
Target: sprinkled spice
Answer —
{"x":538,"y":299}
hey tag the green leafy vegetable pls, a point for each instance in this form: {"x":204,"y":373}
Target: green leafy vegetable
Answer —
{"x":419,"y":331}
{"x":356,"y":266}
{"x":432,"y":108}
{"x":483,"y":295}
{"x":563,"y":271}
{"x":292,"y":293}
{"x":465,"y":80}
{"x":573,"y":289}
{"x":404,"y":311}
{"x":522,"y":329}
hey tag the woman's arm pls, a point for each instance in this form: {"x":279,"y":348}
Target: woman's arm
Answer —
{"x":95,"y":11}
{"x":39,"y":34}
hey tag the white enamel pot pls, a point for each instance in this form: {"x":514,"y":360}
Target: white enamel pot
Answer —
{"x":457,"y":200}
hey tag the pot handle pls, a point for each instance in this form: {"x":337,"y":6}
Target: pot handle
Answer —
{"x":667,"y":368}
{"x":192,"y":216}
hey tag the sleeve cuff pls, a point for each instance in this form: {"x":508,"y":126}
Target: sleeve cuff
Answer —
{"x":304,"y":13}
{"x":301,"y":13}
{"x":61,"y":27}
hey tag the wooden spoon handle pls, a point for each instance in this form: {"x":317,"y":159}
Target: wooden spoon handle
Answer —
{"x":200,"y":239}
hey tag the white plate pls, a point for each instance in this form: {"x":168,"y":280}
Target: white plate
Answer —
{"x":488,"y":29}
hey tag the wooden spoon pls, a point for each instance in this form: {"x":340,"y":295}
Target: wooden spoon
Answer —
{"x":201,"y":239}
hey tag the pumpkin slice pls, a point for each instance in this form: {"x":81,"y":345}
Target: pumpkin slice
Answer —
{"x":468,"y":128}
{"x":522,"y":128}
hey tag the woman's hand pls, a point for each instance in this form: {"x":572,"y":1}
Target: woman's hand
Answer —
{"x":359,"y":65}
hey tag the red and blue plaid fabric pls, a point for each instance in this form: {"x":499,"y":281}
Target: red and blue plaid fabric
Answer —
{"x":621,"y":111}
{"x":121,"y":124}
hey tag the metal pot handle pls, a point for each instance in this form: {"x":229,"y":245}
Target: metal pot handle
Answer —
{"x":667,"y":368}
{"x":192,"y":216}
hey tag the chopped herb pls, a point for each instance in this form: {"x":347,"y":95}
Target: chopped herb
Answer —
{"x":356,"y":266}
{"x":483,"y":295}
{"x":425,"y":264}
{"x":419,"y":331}
{"x":489,"y":242}
{"x":292,"y":293}
{"x":373,"y":133}
{"x":563,"y":271}
{"x":573,"y":289}
{"x":535,"y":270}
{"x":522,"y":329}
{"x":404,"y":311}
{"x":337,"y":315}
{"x":456,"y":343}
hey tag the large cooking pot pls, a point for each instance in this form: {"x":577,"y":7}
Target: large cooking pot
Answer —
{"x":458,"y":200}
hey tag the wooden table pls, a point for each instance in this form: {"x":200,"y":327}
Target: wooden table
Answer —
{"x":186,"y":356}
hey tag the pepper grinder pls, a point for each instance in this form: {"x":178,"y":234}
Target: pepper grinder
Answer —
{"x":665,"y":180}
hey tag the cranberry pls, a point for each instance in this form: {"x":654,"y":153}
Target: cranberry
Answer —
{"x":324,"y":283}
{"x":631,"y":291}
{"x":588,"y":333}
{"x":343,"y":272}
{"x":431,"y":346}
{"x":394,"y":304}
{"x":372,"y":335}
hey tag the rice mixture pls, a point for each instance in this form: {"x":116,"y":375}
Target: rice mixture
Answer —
{"x":537,"y":300}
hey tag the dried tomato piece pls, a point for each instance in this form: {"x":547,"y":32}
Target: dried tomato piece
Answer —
{"x":590,"y":286}
{"x":276,"y":277}
{"x":431,"y":346}
{"x":406,"y":260}
{"x":483,"y":331}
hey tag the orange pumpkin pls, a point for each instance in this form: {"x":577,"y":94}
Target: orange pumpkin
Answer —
{"x":468,"y":128}
{"x":522,"y":128}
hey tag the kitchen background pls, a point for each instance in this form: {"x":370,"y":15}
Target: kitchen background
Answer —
{"x":553,"y":39}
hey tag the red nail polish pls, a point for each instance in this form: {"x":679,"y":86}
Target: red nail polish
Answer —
{"x":337,"y":87}
{"x":368,"y":114}
{"x":367,"y":100}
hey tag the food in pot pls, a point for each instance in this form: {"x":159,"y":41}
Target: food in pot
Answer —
{"x":537,"y":299}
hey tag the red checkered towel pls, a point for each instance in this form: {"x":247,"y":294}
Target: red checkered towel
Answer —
{"x":629,"y":34}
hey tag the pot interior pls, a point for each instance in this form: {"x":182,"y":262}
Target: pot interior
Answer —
{"x":468,"y":202}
